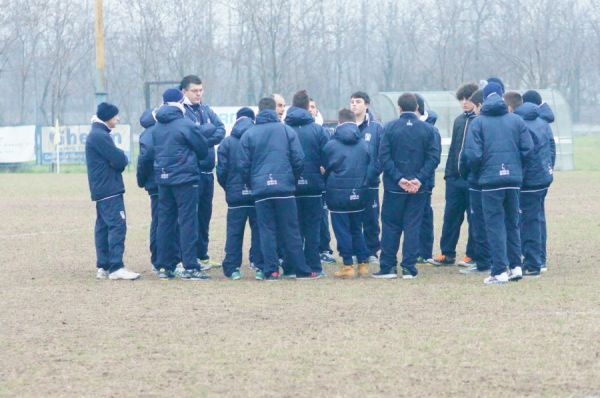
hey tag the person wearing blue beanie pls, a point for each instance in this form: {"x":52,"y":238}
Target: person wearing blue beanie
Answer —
{"x":106,"y":111}
{"x":532,"y":96}
{"x":492,"y":88}
{"x":172,"y":95}
{"x":497,"y":81}
{"x":245,"y":112}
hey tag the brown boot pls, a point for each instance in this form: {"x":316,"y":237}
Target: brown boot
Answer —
{"x":363,"y":270}
{"x":345,"y":272}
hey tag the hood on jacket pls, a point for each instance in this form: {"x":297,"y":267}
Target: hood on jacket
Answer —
{"x":241,"y":125}
{"x":298,"y":117}
{"x":545,"y":113}
{"x":528,"y":111}
{"x":168,"y":113}
{"x":494,"y":105}
{"x":147,"y":119}
{"x":347,"y":133}
{"x":430,"y":117}
{"x":267,"y":116}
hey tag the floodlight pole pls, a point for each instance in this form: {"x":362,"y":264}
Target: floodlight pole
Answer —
{"x":100,"y":64}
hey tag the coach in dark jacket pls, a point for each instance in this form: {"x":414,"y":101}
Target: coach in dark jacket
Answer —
{"x":408,"y":155}
{"x":537,"y":177}
{"x":239,"y":199}
{"x":105,"y":163}
{"x":178,"y":145}
{"x":271,"y":162}
{"x":497,"y":146}
{"x":310,"y":185}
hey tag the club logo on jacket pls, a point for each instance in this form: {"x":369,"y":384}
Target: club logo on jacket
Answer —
{"x":164,"y":175}
{"x":302,"y":181}
{"x":354,"y":195}
{"x":504,"y":171}
{"x":122,"y":213}
{"x":550,"y":170}
{"x":246,"y":191}
{"x":367,"y":137}
{"x":374,"y":205}
{"x":409,"y":123}
{"x":271,"y":181}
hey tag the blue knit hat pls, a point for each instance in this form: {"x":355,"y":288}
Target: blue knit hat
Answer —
{"x":106,"y":111}
{"x":245,"y":111}
{"x":497,"y":81}
{"x":492,"y":88}
{"x":532,"y":96}
{"x":172,"y":95}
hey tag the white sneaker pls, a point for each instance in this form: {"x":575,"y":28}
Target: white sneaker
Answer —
{"x":497,"y":279}
{"x":354,"y":260}
{"x":373,"y":260}
{"x":101,"y":273}
{"x":123,"y":273}
{"x":544,"y":268}
{"x":515,"y":274}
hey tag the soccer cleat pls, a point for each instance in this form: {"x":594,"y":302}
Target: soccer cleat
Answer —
{"x":515,"y":274}
{"x":345,"y":272}
{"x":466,"y":262}
{"x":311,"y":276}
{"x":327,"y":258}
{"x":442,"y":260}
{"x":496,"y":279}
{"x":194,"y":275}
{"x":235,"y":275}
{"x":165,"y":274}
{"x":373,"y":260}
{"x":363,"y":269}
{"x":124,"y":274}
{"x":273,"y":277}
{"x":381,"y":274}
{"x":259,"y":276}
{"x":207,"y":264}
{"x":101,"y":273}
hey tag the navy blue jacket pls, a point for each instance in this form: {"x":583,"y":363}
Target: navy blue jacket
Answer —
{"x":498,"y":146}
{"x":202,"y":114}
{"x":272,"y":159}
{"x":145,"y":163}
{"x":347,"y":159}
{"x":105,"y":163}
{"x":178,"y":144}
{"x":408,"y":150}
{"x":547,"y":116}
{"x":429,"y":183}
{"x":370,"y":131}
{"x":465,"y":171}
{"x":229,"y":173}
{"x":538,"y":171}
{"x":461,"y":124}
{"x":312,"y":138}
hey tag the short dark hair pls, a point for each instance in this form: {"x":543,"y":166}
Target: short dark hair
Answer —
{"x":420,"y":103}
{"x":466,"y":91}
{"x":266,"y":103}
{"x":301,"y":99}
{"x":477,"y":97}
{"x":361,"y":94}
{"x":513,"y":99}
{"x":346,"y":115}
{"x":407,"y":102}
{"x":189,"y":79}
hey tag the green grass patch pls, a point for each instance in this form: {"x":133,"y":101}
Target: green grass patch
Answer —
{"x":585,"y":151}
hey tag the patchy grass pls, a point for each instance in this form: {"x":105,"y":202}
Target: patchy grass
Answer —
{"x":586,"y":149}
{"x":62,"y":333}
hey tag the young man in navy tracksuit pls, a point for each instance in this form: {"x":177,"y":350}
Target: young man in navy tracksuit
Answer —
{"x":496,"y":147}
{"x":240,"y":204}
{"x":202,"y":114}
{"x":408,"y":154}
{"x":547,"y":116}
{"x":310,"y":184}
{"x":426,"y":231}
{"x":370,"y":132}
{"x":105,"y":164}
{"x":537,"y":177}
{"x":481,"y":248}
{"x":457,"y":191}
{"x":346,"y":163}
{"x":271,"y":162}
{"x":179,"y":144}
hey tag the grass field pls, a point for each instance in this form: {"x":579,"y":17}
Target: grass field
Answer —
{"x":63,"y":333}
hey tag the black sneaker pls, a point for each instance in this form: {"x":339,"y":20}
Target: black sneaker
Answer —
{"x":443,"y":260}
{"x":311,"y":276}
{"x":194,"y":275}
{"x":531,"y":273}
{"x":385,"y":274}
{"x":165,"y":274}
{"x":408,"y":274}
